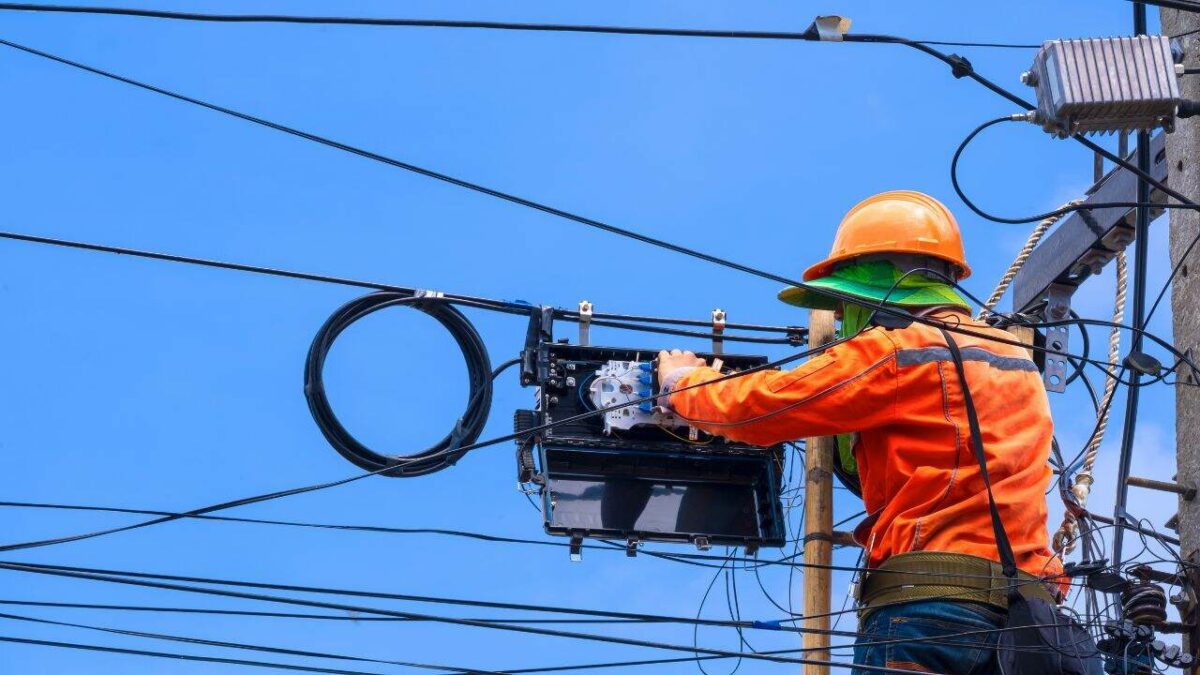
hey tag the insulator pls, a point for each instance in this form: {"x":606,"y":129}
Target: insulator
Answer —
{"x":1144,"y":603}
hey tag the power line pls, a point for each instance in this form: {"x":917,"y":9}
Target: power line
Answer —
{"x":622,"y":321}
{"x":960,"y":67}
{"x":151,"y":609}
{"x":336,"y":483}
{"x":58,"y":571}
{"x":512,"y":307}
{"x":429,"y":173}
{"x":443,"y":23}
{"x":954,"y":62}
{"x":240,"y":645}
{"x":404,"y":597}
{"x":178,"y":657}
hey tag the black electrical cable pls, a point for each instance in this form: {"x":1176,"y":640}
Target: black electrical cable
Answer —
{"x":952,"y":61}
{"x":624,"y":321}
{"x":612,"y":229}
{"x":442,"y":454}
{"x":322,"y":486}
{"x":178,"y":657}
{"x":438,"y":23}
{"x":464,"y":300}
{"x":478,"y":536}
{"x":110,"y":575}
{"x":136,"y":579}
{"x":57,"y":571}
{"x":1185,"y":203}
{"x":240,"y":645}
{"x":153,"y":609}
{"x":1175,"y":269}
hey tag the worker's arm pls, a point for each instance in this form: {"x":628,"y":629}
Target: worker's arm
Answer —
{"x":850,"y":387}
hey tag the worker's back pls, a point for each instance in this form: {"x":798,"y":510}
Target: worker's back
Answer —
{"x":921,"y":482}
{"x":899,"y":390}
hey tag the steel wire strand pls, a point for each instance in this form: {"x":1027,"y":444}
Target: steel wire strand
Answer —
{"x":240,"y":645}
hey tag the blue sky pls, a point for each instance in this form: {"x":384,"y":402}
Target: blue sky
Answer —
{"x":151,"y":385}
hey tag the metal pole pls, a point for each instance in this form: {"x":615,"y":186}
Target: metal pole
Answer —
{"x":1183,"y":147}
{"x":1140,"y":244}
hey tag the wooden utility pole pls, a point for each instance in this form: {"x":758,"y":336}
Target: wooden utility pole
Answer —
{"x":1183,"y":149}
{"x":818,"y":521}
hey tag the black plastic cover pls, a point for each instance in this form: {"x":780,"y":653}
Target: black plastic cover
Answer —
{"x":645,"y":483}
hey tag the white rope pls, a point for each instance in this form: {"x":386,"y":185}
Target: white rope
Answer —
{"x":1019,"y":262}
{"x":1068,"y":532}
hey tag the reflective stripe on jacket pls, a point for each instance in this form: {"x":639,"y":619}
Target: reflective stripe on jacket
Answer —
{"x":898,"y":389}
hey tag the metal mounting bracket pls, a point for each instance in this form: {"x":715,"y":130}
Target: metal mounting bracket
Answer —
{"x":576,"y":548}
{"x":718,"y":331}
{"x":585,"y":322}
{"x":1058,"y":307}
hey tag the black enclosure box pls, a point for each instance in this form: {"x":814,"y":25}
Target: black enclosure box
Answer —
{"x":645,"y":483}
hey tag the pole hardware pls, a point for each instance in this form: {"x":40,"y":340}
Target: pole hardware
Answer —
{"x":585,"y":322}
{"x":718,"y":331}
{"x":1054,"y":376}
{"x":1188,"y":492}
{"x":830,"y":28}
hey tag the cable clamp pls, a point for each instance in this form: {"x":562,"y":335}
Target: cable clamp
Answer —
{"x":585,"y":322}
{"x":430,"y":294}
{"x":718,"y":331}
{"x":830,"y":28}
{"x":960,"y":67}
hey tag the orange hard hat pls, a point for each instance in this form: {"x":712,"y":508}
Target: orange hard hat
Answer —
{"x":900,"y":221}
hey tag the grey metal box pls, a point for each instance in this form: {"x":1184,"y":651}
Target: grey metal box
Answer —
{"x":1105,"y":84}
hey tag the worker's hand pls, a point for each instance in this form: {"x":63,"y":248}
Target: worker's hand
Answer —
{"x":669,"y":362}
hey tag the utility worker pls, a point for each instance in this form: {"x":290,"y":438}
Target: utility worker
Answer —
{"x":892,"y":396}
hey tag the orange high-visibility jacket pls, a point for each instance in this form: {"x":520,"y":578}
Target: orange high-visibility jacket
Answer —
{"x":899,"y":390}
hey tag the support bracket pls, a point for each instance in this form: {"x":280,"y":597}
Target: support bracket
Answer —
{"x":1058,"y":338}
{"x":718,"y":331}
{"x":585,"y":323}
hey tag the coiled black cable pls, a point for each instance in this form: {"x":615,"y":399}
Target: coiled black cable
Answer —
{"x":466,"y":430}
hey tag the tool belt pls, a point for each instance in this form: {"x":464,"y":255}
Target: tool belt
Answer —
{"x":930,"y":575}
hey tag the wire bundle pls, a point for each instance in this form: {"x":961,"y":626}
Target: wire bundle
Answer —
{"x":448,"y":450}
